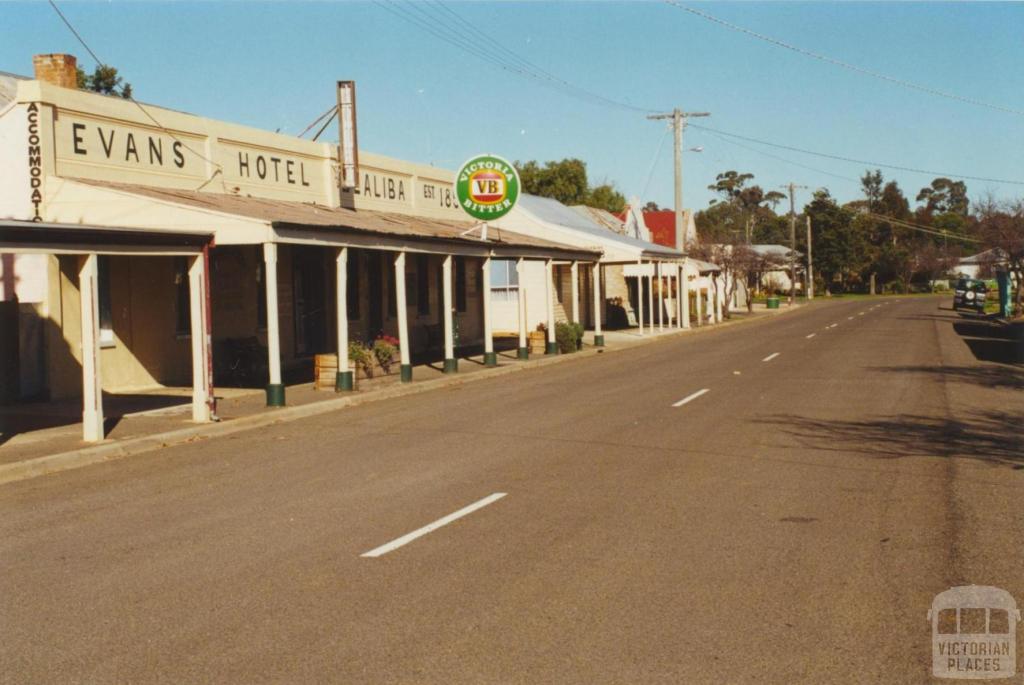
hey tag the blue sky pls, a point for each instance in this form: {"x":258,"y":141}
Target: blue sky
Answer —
{"x":273,"y":65}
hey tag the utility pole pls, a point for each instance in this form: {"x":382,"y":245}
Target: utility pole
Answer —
{"x":679,"y":118}
{"x":810,"y":262}
{"x":792,"y":242}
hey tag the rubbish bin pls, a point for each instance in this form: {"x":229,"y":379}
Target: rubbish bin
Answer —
{"x":773,"y":303}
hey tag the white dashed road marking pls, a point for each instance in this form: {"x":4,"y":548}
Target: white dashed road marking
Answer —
{"x":430,"y":527}
{"x":690,"y":398}
{"x":770,"y":357}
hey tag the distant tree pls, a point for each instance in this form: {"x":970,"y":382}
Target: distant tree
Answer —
{"x":104,"y":80}
{"x":652,"y":206}
{"x":945,"y":196}
{"x":729,"y":185}
{"x":839,"y":250}
{"x":1001,"y":228}
{"x":871,"y":184}
{"x":606,"y":197}
{"x":566,"y":181}
{"x":752,"y":203}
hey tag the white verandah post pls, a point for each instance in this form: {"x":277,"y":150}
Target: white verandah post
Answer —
{"x":344,"y":379}
{"x":490,"y":359}
{"x":403,"y":318}
{"x":661,"y":298}
{"x":451,"y":364}
{"x":524,"y":350}
{"x":549,"y":289}
{"x":700,"y":301}
{"x":575,"y":270}
{"x":684,"y":296}
{"x":598,"y":335}
{"x":92,"y":384}
{"x":201,"y":404}
{"x":275,"y":389}
{"x":650,"y":300}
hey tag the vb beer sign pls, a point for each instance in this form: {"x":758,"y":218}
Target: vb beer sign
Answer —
{"x":487,"y":187}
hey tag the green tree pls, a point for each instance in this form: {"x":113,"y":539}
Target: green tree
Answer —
{"x":871,"y":184}
{"x":104,"y":80}
{"x":605,"y":196}
{"x":840,"y":252}
{"x":752,"y":203}
{"x":945,"y":196}
{"x":566,"y":181}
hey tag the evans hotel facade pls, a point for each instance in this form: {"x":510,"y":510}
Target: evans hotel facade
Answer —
{"x":144,"y":247}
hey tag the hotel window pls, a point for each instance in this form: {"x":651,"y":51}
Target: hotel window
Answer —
{"x":504,"y":280}
{"x":183,"y":311}
{"x":460,"y":284}
{"x":106,"y":308}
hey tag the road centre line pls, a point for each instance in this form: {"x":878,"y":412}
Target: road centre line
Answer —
{"x":690,"y":398}
{"x":833,"y":325}
{"x":810,"y":336}
{"x":430,"y":527}
{"x":770,"y":357}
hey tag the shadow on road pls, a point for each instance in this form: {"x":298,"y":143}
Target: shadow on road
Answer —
{"x":986,"y":435}
{"x":984,"y":376}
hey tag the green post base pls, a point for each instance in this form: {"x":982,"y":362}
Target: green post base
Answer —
{"x":598,"y":341}
{"x":551,"y":348}
{"x":523,"y":353}
{"x":406,"y":373}
{"x":490,"y":359}
{"x":451,"y":365}
{"x":344,"y":381}
{"x":275,"y":395}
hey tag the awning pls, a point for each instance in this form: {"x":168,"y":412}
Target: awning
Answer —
{"x":54,"y":238}
{"x":242,"y":220}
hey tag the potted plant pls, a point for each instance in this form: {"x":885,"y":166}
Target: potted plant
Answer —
{"x":385,"y":352}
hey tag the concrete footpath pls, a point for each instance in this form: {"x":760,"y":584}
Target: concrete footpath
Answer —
{"x":50,"y":450}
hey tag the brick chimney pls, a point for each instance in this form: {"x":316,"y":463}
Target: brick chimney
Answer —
{"x":60,"y":70}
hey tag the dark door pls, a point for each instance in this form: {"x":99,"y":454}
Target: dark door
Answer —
{"x":310,"y":291}
{"x":374,"y":275}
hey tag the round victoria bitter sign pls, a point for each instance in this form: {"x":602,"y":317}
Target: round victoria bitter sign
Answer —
{"x":487,"y":187}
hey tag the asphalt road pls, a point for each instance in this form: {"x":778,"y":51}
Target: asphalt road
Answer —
{"x":791,"y":524}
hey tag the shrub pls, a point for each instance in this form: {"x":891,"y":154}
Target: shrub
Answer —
{"x":359,"y":355}
{"x":565,"y":337}
{"x":384,"y":349}
{"x":577,"y":329}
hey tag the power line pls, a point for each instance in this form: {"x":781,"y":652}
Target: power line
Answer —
{"x":783,"y":159}
{"x":844,"y":65}
{"x":494,"y":52}
{"x":899,"y":223}
{"x":146,"y":112}
{"x":913,"y":170}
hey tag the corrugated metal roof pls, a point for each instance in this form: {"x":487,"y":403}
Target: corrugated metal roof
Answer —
{"x":554,"y":212}
{"x":301,"y":214}
{"x":601,"y":216}
{"x":8,"y":88}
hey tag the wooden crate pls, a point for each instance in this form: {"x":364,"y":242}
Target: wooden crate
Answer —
{"x":325,"y":371}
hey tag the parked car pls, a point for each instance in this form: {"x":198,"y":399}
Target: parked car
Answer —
{"x":970,"y":293}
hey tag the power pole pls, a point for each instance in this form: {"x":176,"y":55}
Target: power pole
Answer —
{"x":679,"y":118}
{"x":792,"y":242}
{"x":810,"y":262}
